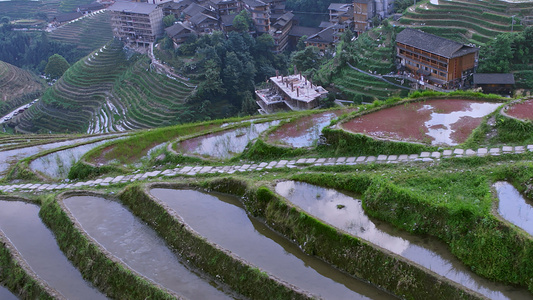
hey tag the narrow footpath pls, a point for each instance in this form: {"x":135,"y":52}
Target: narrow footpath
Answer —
{"x":300,"y":164}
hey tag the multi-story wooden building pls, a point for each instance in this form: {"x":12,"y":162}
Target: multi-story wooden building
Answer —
{"x":340,"y":12}
{"x":360,"y":15}
{"x":434,"y":59}
{"x":260,"y":12}
{"x":280,"y":31}
{"x":136,"y":22}
{"x":225,"y":7}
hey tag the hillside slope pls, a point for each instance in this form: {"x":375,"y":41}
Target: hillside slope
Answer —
{"x":109,"y":90}
{"x":16,"y":86}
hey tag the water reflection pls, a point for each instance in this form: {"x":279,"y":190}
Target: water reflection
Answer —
{"x":36,"y":244}
{"x":58,"y":164}
{"x":346,"y":213}
{"x":305,"y":131}
{"x":222,"y":220}
{"x":224,"y":144}
{"x":514,"y":207}
{"x":137,"y":246}
{"x":5,"y":294}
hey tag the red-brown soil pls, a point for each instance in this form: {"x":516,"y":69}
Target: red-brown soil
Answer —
{"x":523,"y":110}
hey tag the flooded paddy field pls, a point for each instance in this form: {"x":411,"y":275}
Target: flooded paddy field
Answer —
{"x":20,"y":223}
{"x":5,"y":294}
{"x":305,"y":131}
{"x":138,"y":246}
{"x":10,"y":156}
{"x":58,"y":164}
{"x":446,"y":122}
{"x":222,"y":220}
{"x":223,"y":144}
{"x":346,"y":213}
{"x":521,"y":110}
{"x":514,"y":207}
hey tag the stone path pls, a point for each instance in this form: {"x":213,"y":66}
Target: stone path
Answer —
{"x":300,"y":163}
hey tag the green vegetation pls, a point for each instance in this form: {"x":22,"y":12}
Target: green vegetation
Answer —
{"x":466,"y":21}
{"x":110,"y":277}
{"x":17,"y":87}
{"x":88,"y":33}
{"x":56,"y":66}
{"x":242,"y":278}
{"x":14,"y":277}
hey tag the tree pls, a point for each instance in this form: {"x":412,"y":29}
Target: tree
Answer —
{"x":242,"y":22}
{"x":497,"y":55}
{"x":307,"y":59}
{"x":169,"y":20}
{"x":57,"y":65}
{"x":301,"y":43}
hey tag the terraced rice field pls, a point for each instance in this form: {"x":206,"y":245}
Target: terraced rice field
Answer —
{"x":467,"y":20}
{"x":16,"y":83}
{"x":522,"y":110}
{"x":17,"y":9}
{"x":108,"y":91}
{"x":89,"y":33}
{"x":373,"y":54}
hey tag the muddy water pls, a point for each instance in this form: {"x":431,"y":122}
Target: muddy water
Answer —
{"x":222,"y":220}
{"x":523,"y":110}
{"x":514,"y":207}
{"x":305,"y":131}
{"x":346,"y":213}
{"x":436,"y":122}
{"x":223,"y":144}
{"x":138,"y":246}
{"x":5,"y":294}
{"x":36,"y":244}
{"x":58,"y":164}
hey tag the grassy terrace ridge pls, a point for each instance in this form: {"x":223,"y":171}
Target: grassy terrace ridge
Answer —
{"x":372,"y":52}
{"x":449,"y":200}
{"x":88,"y":33}
{"x":105,"y":78}
{"x":17,"y":86}
{"x":483,"y":20}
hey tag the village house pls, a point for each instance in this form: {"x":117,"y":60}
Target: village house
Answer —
{"x":293,"y":92}
{"x":137,"y":23}
{"x":260,"y":12}
{"x":499,"y":83}
{"x":179,"y":32}
{"x":280,"y":31}
{"x":435,"y":60}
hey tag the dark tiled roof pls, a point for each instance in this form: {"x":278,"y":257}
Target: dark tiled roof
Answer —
{"x":493,"y":78}
{"x":92,"y":6}
{"x":67,"y":17}
{"x":361,"y":1}
{"x":254,"y":3}
{"x":300,"y":31}
{"x":199,"y":18}
{"x":227,"y":20}
{"x":133,"y":7}
{"x":194,"y":9}
{"x":325,"y":24}
{"x":284,"y":19}
{"x":339,"y":6}
{"x":324,"y":36}
{"x":433,"y":44}
{"x":177,"y":29}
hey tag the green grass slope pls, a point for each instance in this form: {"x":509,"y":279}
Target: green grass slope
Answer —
{"x":468,"y":21}
{"x":88,"y":33}
{"x":109,"y":90}
{"x":17,"y":86}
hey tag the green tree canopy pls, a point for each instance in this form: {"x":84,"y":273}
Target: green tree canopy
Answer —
{"x":57,"y":65}
{"x":242,"y":22}
{"x":169,"y":20}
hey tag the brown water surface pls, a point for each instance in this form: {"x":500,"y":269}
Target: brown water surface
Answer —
{"x":514,"y":207}
{"x":346,"y":213}
{"x":305,"y":131}
{"x":5,"y":294}
{"x":222,"y":220}
{"x":437,"y":122}
{"x":36,"y":244}
{"x":522,"y":110}
{"x":138,"y":246}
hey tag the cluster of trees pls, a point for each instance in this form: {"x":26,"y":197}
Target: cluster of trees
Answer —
{"x":228,"y":68}
{"x":31,"y":51}
{"x":507,"y":51}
